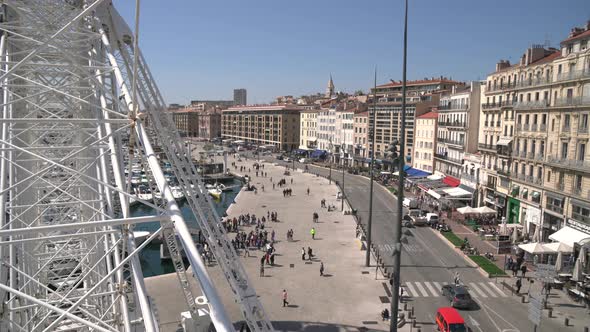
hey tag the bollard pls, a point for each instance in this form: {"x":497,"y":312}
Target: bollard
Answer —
{"x":585,"y":328}
{"x":413,"y":322}
{"x":406,"y":309}
{"x":412,"y":312}
{"x":522,"y":299}
{"x":566,"y":321}
{"x":550,"y":313}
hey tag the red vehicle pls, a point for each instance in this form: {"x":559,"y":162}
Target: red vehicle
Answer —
{"x":448,"y":319}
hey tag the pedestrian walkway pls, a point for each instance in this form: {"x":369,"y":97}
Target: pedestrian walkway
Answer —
{"x":434,"y":289}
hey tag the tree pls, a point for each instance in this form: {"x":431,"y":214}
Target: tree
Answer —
{"x":359,"y":93}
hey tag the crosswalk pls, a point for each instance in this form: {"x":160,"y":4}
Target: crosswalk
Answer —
{"x":434,"y":289}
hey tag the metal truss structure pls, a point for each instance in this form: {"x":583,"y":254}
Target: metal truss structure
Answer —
{"x":73,"y":84}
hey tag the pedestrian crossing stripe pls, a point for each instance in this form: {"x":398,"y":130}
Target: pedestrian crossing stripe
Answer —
{"x":434,"y":289}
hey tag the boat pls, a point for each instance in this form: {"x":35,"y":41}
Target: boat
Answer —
{"x":177,"y":192}
{"x":223,"y":187}
{"x":216,"y":192}
{"x":140,"y":237}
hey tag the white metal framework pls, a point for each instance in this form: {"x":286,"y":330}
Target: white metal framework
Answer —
{"x":69,"y":127}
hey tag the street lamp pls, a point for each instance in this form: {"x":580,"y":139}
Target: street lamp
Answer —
{"x":342,"y":195}
{"x":330,"y":160}
{"x":400,"y":192}
{"x":370,"y":221}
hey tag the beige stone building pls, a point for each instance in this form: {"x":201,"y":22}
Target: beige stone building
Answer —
{"x":186,"y":120}
{"x":276,"y":125}
{"x":534,"y":138}
{"x":308,"y":129}
{"x":361,"y":138}
{"x":426,"y":129}
{"x":421,"y":96}
{"x":458,"y":128}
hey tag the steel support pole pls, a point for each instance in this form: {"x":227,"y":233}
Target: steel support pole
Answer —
{"x":400,"y":192}
{"x":370,"y":221}
{"x":342,"y":195}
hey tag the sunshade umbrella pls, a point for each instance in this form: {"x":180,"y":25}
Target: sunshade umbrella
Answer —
{"x":534,"y":248}
{"x":484,"y":210}
{"x":466,"y":210}
{"x":503,"y":228}
{"x":537,"y":234}
{"x":582,"y":256}
{"x":514,"y":238}
{"x":577,"y":272}
{"x":559,"y":262}
{"x":558,"y":247}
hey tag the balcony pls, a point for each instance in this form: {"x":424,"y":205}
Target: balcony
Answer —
{"x":573,"y":75}
{"x":583,"y":130}
{"x":580,"y":165}
{"x":582,"y":218}
{"x":450,"y":141}
{"x":501,"y":87}
{"x":526,"y":127}
{"x":452,"y":108}
{"x":539,"y":157}
{"x":560,"y":186}
{"x":498,"y":123}
{"x":452,"y":124}
{"x":504,"y":172}
{"x":555,"y":208}
{"x":542,"y":127}
{"x":572,"y":101}
{"x":469,"y":177}
{"x":522,"y":154}
{"x":484,"y":146}
{"x":530,"y":155}
{"x":485,"y":123}
{"x":533,"y":82}
{"x":533,"y":104}
{"x":534,"y":127}
{"x":446,"y":157}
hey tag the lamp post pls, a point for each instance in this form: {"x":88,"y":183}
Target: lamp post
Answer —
{"x":400,"y":192}
{"x":330,"y":161}
{"x":370,"y":221}
{"x":342,"y":195}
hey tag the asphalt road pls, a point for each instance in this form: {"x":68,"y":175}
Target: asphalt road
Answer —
{"x":428,"y":263}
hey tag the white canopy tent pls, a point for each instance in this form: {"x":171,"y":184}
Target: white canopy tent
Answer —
{"x":534,"y":248}
{"x":466,"y":210}
{"x":558,"y":247}
{"x":485,"y":210}
{"x":568,"y":236}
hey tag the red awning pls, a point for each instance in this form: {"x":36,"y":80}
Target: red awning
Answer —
{"x":425,"y":188}
{"x":451,"y":181}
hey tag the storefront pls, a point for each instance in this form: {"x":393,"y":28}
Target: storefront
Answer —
{"x":513,"y":210}
{"x":496,"y":201}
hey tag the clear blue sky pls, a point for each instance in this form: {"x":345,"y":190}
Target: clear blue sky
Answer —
{"x":205,"y":49}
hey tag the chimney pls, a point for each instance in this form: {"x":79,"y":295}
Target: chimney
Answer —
{"x":502,"y":64}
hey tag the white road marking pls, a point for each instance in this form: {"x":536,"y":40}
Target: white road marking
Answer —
{"x":438,"y":286}
{"x":411,"y":289}
{"x":492,"y":285}
{"x":431,"y":289}
{"x":479,"y":291}
{"x":422,"y":289}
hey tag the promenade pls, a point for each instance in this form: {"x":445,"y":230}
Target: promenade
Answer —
{"x":346,"y":298}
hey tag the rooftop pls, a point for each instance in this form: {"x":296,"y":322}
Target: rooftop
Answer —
{"x":578,"y":33}
{"x":429,"y":115}
{"x":265,"y":107}
{"x":420,"y":82}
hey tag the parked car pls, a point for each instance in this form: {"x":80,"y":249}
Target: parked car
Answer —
{"x":287,"y":159}
{"x":431,"y":218}
{"x":407,"y":221}
{"x":449,"y":320}
{"x":419,"y":220}
{"x":458,"y":295}
{"x":280,"y":157}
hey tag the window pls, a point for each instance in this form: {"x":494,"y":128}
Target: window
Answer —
{"x":583,"y":122}
{"x":570,"y":48}
{"x":566,"y":122}
{"x":581,"y":151}
{"x":559,"y":68}
{"x":578,"y":182}
{"x":548,"y":176}
{"x":519,"y":119}
{"x":536,"y":96}
{"x":552,"y":124}
{"x":583,"y":45}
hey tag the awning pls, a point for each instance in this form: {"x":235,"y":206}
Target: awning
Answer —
{"x":456,"y":192}
{"x":504,"y":141}
{"x":534,"y":248}
{"x":558,"y":247}
{"x":569,"y":236}
{"x":433,"y":194}
{"x":466,"y":187}
{"x":318,"y":153}
{"x":451,"y":181}
{"x":416,"y":173}
{"x":434,"y":177}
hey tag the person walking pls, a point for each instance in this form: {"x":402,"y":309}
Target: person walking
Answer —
{"x":272,"y":259}
{"x":309,"y":254}
{"x":285,"y":302}
{"x":518,"y":285}
{"x":514,"y":269}
{"x":312,"y":232}
{"x":321,"y":269}
{"x":291,"y":180}
{"x":307,"y":191}
{"x":456,"y":278}
{"x":523,"y":270}
{"x":262,"y":270}
{"x":302,"y":253}
{"x":246,"y":251}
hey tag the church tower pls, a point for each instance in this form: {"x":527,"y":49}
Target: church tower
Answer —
{"x":330,"y":89}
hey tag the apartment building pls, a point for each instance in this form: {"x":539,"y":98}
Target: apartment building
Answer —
{"x":534,"y":137}
{"x":421,"y":96}
{"x":457,"y":128}
{"x":276,"y":125}
{"x":426,"y":125}
{"x":361,"y":137}
{"x":209,"y":124}
{"x":186,"y":120}
{"x":308,"y":129}
{"x":326,"y":129}
{"x":343,"y":138}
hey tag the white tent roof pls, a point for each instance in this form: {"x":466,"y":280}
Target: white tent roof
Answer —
{"x":434,"y":177}
{"x":568,"y":236}
{"x":433,"y":194}
{"x":534,"y":248}
{"x":558,"y":247}
{"x":456,"y":192}
{"x":485,"y":210}
{"x":466,"y":210}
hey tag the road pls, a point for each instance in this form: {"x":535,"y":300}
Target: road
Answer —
{"x":428,"y":263}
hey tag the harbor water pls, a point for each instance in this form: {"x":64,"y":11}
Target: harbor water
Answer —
{"x":151,"y":263}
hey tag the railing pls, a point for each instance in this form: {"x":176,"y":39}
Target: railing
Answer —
{"x":452,"y":124}
{"x":498,"y":123}
{"x":530,"y":155}
{"x":582,"y":218}
{"x":504,"y":172}
{"x":560,"y":186}
{"x":500,"y":87}
{"x":538,"y":181}
{"x":497,"y":105}
{"x":449,"y":141}
{"x":487,"y":146}
{"x":469,"y":177}
{"x":452,"y":107}
{"x":531,"y":104}
{"x":539,"y":156}
{"x":583,"y":130}
{"x":520,"y":176}
{"x":534,"y":82}
{"x":518,"y":126}
{"x":555,"y":208}
{"x":542,"y":127}
{"x":522,"y":154}
{"x":485,"y":123}
{"x":566,"y":129}
{"x":561,"y":162}
{"x":572,"y":101}
{"x":534,"y":127}
{"x":525,"y":127}
{"x":573,"y":75}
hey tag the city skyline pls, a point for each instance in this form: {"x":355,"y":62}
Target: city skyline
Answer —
{"x":270,"y":56}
